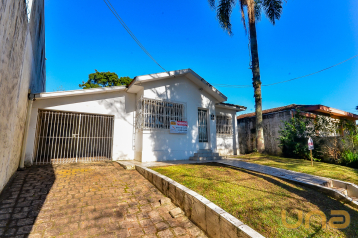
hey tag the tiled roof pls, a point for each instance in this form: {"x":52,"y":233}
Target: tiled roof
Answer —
{"x":276,"y":109}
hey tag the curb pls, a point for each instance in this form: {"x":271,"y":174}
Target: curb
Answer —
{"x":212,"y":219}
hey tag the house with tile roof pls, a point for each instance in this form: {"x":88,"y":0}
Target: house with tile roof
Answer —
{"x":273,"y":120}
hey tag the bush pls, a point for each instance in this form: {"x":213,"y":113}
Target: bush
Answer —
{"x":350,"y":158}
{"x":294,"y":136}
{"x":327,"y":145}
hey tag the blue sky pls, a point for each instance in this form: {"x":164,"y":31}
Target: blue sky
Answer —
{"x":82,"y":36}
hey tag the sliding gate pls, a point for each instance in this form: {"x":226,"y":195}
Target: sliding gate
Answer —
{"x":68,"y":137}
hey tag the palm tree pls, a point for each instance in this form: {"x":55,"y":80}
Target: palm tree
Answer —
{"x":273,"y":10}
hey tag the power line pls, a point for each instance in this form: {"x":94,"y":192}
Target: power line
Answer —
{"x":265,"y":85}
{"x":115,"y":13}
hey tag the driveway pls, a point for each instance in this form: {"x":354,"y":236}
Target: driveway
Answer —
{"x":87,"y":200}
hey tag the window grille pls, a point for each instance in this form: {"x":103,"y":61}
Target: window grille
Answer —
{"x":223,"y":124}
{"x":157,"y":114}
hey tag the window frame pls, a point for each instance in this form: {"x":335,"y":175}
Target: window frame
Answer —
{"x":156,"y":114}
{"x":224,"y":124}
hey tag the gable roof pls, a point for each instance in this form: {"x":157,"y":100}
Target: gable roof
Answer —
{"x":134,"y":87}
{"x":308,"y":108}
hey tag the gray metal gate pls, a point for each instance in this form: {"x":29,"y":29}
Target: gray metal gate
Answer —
{"x":203,"y":125}
{"x":68,"y":137}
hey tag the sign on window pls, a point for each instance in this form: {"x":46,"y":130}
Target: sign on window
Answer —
{"x":178,"y":127}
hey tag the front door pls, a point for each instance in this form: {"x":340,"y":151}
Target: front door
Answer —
{"x":203,"y":129}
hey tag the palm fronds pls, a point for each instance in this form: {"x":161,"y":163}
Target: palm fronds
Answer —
{"x":271,"y":8}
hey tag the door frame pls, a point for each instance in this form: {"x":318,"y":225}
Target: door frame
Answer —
{"x":204,"y":145}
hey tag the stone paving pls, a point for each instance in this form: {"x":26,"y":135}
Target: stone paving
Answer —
{"x":87,"y":200}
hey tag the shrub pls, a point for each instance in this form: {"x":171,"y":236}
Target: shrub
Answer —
{"x":324,"y":131}
{"x":294,"y":135}
{"x":350,"y":158}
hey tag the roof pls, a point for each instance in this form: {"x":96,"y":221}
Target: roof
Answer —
{"x":308,"y":108}
{"x":134,"y":86}
{"x":230,"y":106}
{"x":78,"y":92}
{"x":276,"y":109}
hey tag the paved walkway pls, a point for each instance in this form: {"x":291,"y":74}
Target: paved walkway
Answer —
{"x":281,"y":173}
{"x":277,"y":172}
{"x":87,"y":200}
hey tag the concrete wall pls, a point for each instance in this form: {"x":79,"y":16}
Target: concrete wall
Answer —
{"x":120,"y":104}
{"x":159,"y":145}
{"x":22,"y":67}
{"x":227,"y":144}
{"x":271,"y":123}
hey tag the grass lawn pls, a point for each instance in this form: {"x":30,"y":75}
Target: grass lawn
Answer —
{"x":299,"y":165}
{"x":258,"y":199}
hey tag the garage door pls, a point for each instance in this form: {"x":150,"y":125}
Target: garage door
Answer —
{"x":68,"y":137}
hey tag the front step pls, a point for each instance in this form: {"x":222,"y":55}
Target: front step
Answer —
{"x":341,"y":190}
{"x":205,"y":154}
{"x":349,"y":190}
{"x":205,"y":158}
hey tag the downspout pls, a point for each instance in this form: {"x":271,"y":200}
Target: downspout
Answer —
{"x":27,"y":123}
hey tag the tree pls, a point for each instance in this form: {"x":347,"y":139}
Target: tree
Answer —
{"x":273,"y":10}
{"x":104,"y":79}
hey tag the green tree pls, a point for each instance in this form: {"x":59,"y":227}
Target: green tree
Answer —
{"x":273,"y":10}
{"x":104,"y":79}
{"x":294,"y":135}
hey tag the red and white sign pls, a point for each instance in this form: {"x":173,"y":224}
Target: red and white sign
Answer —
{"x":310,"y":143}
{"x":178,"y":127}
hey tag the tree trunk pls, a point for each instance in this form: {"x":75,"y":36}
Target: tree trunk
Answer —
{"x":260,"y":144}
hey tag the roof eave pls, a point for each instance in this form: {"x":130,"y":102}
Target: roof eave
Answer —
{"x":41,"y":96}
{"x":236,"y":108}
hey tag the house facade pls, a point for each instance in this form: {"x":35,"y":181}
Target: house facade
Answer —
{"x":273,"y":121}
{"x":158,"y":117}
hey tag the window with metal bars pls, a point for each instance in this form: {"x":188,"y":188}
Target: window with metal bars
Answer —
{"x":157,"y":114}
{"x":223,"y":124}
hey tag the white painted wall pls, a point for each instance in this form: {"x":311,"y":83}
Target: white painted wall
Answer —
{"x":227,"y":144}
{"x":120,"y":104}
{"x":159,"y":145}
{"x":145,"y":145}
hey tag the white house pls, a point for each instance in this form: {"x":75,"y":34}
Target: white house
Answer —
{"x":158,"y":117}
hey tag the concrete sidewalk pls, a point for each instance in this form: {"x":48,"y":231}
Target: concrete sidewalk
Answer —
{"x":277,"y":172}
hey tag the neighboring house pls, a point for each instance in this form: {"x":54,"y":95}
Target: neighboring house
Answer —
{"x":273,"y":120}
{"x":158,"y":117}
{"x":22,"y":68}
